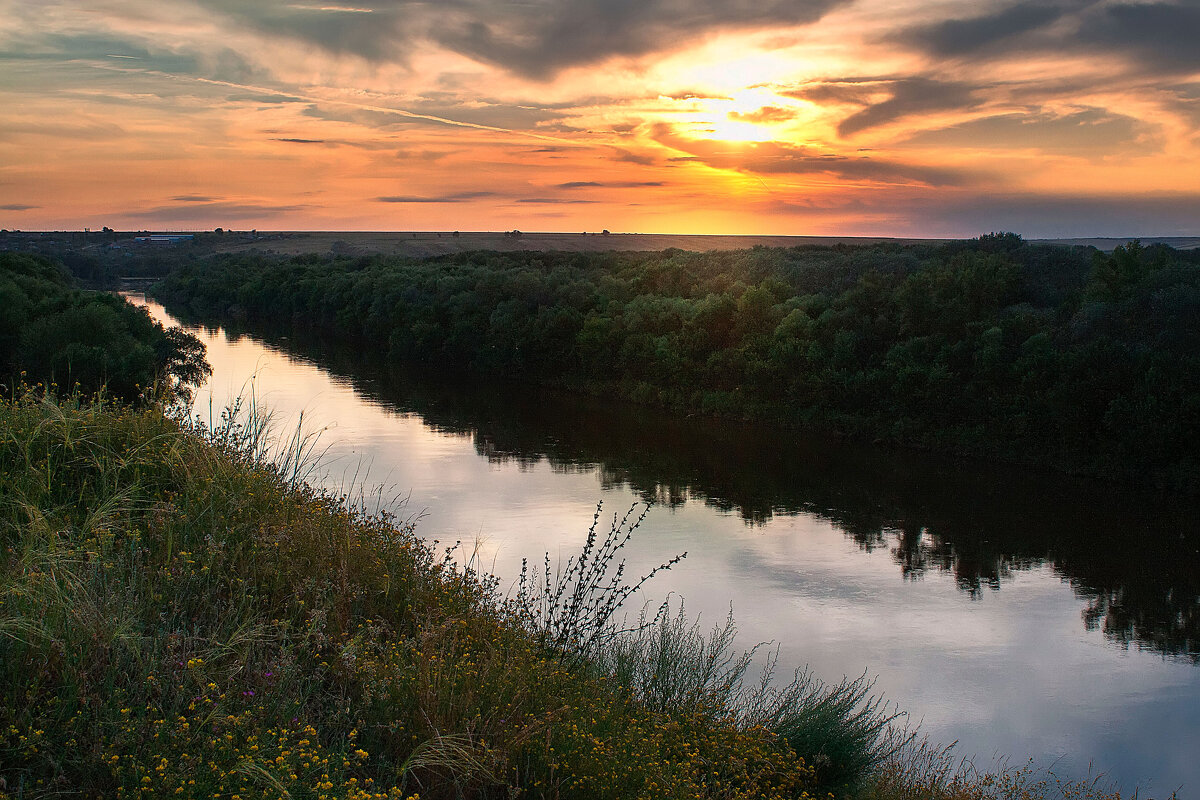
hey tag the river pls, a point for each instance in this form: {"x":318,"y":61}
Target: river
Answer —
{"x":1023,"y":616}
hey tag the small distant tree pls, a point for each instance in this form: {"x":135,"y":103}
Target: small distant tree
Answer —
{"x":604,"y":232}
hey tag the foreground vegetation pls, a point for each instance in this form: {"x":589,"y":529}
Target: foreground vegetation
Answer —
{"x":1063,"y":358}
{"x":181,"y":617}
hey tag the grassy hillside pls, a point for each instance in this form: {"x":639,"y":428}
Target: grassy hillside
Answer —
{"x":178,"y":618}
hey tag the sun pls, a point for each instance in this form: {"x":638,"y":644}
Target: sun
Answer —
{"x":747,"y":115}
{"x":728,"y":130}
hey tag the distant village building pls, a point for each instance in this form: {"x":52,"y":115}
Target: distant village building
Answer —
{"x":170,"y":238}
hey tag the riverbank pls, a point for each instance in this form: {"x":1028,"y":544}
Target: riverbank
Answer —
{"x":181,"y":617}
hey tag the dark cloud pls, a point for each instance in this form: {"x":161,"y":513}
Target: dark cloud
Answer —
{"x":213,"y":212}
{"x":1160,"y":37}
{"x":551,"y":201}
{"x":609,"y":184}
{"x":910,"y":96}
{"x":555,"y":34}
{"x":1164,"y":36}
{"x":1088,"y":129}
{"x":954,"y":37}
{"x":767,"y":158}
{"x":299,"y":141}
{"x":844,"y":90}
{"x":628,"y":156}
{"x":194,"y":198}
{"x":17,"y":207}
{"x":536,"y":38}
{"x":906,"y":96}
{"x":459,"y":197}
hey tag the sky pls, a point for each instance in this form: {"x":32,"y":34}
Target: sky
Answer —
{"x":936,"y":118}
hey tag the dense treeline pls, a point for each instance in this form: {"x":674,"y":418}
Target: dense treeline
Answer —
{"x":1059,"y":357}
{"x":52,"y":333}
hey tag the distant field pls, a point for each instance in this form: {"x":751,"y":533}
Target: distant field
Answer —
{"x":427,"y":243}
{"x":114,"y":245}
{"x":1108,"y":243}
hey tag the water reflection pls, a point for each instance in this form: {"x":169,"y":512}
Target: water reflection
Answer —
{"x":1135,"y":563}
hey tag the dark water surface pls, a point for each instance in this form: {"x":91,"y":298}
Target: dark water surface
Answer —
{"x":1022,"y":615}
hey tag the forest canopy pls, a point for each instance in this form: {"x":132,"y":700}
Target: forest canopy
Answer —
{"x":1058,"y":357}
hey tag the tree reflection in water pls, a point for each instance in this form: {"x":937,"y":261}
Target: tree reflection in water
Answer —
{"x":1133,"y":559}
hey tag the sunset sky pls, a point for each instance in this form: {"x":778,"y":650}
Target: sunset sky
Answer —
{"x":867,"y":117}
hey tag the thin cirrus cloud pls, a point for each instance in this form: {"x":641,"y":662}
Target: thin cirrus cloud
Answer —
{"x":609,"y":184}
{"x":458,"y":197}
{"x":193,"y":211}
{"x":1084,"y":130}
{"x":551,"y":201}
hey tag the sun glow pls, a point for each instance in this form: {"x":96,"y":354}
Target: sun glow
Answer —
{"x":747,"y":115}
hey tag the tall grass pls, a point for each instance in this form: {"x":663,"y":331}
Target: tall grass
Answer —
{"x":179,"y":616}
{"x":182,"y":616}
{"x":841,"y":731}
{"x":573,"y":609}
{"x":922,"y":770}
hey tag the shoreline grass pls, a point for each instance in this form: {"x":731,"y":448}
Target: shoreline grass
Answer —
{"x":180,"y":617}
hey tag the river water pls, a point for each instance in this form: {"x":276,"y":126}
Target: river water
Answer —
{"x":1023,"y":616}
